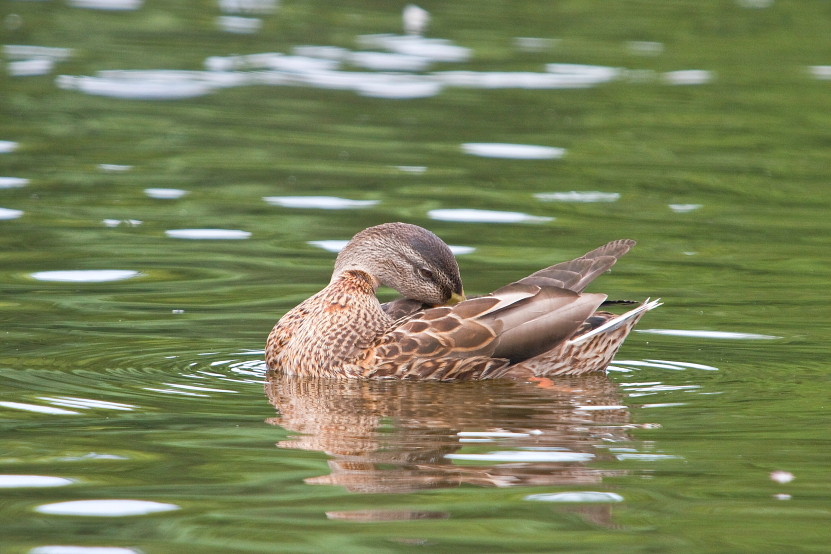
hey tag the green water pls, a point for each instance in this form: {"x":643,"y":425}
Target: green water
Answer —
{"x":150,"y":388}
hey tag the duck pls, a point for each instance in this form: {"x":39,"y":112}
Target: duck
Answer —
{"x":535,"y":328}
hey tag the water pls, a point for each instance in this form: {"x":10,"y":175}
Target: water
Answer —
{"x":151,"y":160}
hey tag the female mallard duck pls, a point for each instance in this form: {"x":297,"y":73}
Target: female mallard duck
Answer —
{"x":539,"y":326}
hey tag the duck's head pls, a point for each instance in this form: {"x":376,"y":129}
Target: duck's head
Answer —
{"x":407,"y":258}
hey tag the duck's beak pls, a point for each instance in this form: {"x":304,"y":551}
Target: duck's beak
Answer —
{"x":455,"y":298}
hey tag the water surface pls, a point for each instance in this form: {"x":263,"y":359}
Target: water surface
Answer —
{"x":173,"y":178}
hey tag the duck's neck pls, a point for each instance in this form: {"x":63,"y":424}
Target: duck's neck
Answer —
{"x":353,"y":283}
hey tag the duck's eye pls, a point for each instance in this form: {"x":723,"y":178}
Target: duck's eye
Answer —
{"x":425,"y":273}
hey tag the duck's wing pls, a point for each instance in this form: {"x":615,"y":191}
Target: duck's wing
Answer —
{"x":591,"y":349}
{"x":575,"y":275}
{"x":478,"y":336}
{"x":402,"y":307}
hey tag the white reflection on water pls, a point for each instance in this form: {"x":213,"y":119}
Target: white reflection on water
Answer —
{"x":85,"y":275}
{"x":578,"y":196}
{"x":515,"y":79}
{"x":485,"y":216}
{"x":688,"y":77}
{"x":165,"y":194}
{"x":513,"y":151}
{"x":261,"y":7}
{"x":110,"y":5}
{"x":436,"y":49}
{"x":411,"y":168}
{"x":338,"y":245}
{"x":386,"y":61}
{"x":28,"y":51}
{"x":152,"y":84}
{"x":7,"y":146}
{"x":491,"y":434}
{"x":13,"y":182}
{"x":319,"y":202}
{"x":645,"y":47}
{"x":121,"y":222}
{"x":535,"y":44}
{"x":62,"y":549}
{"x":665,"y":364}
{"x":822,"y":72}
{"x":114,"y":168}
{"x":20,"y":481}
{"x":684,"y":208}
{"x":576,"y":496}
{"x":396,"y":72}
{"x":239,"y":25}
{"x":30,"y":68}
{"x":36,"y":408}
{"x":9,"y":213}
{"x":415,"y":19}
{"x":708,"y":334}
{"x":524,"y":456}
{"x":106,"y":508}
{"x":208,"y":234}
{"x":28,"y":61}
{"x":86,"y":403}
{"x":201,"y":389}
{"x":648,"y":457}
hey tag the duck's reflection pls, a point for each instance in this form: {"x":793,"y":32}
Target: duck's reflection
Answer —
{"x":394,"y":436}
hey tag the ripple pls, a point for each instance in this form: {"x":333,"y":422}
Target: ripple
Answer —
{"x":105,"y":508}
{"x":578,"y":196}
{"x":708,"y":334}
{"x":208,"y":234}
{"x":513,"y":151}
{"x":86,"y":275}
{"x":576,"y":496}
{"x":8,"y":213}
{"x":485,"y":216}
{"x":318,"y":202}
{"x":25,"y":481}
{"x":165,"y":194}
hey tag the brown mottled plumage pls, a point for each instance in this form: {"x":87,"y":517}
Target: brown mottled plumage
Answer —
{"x":539,"y":326}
